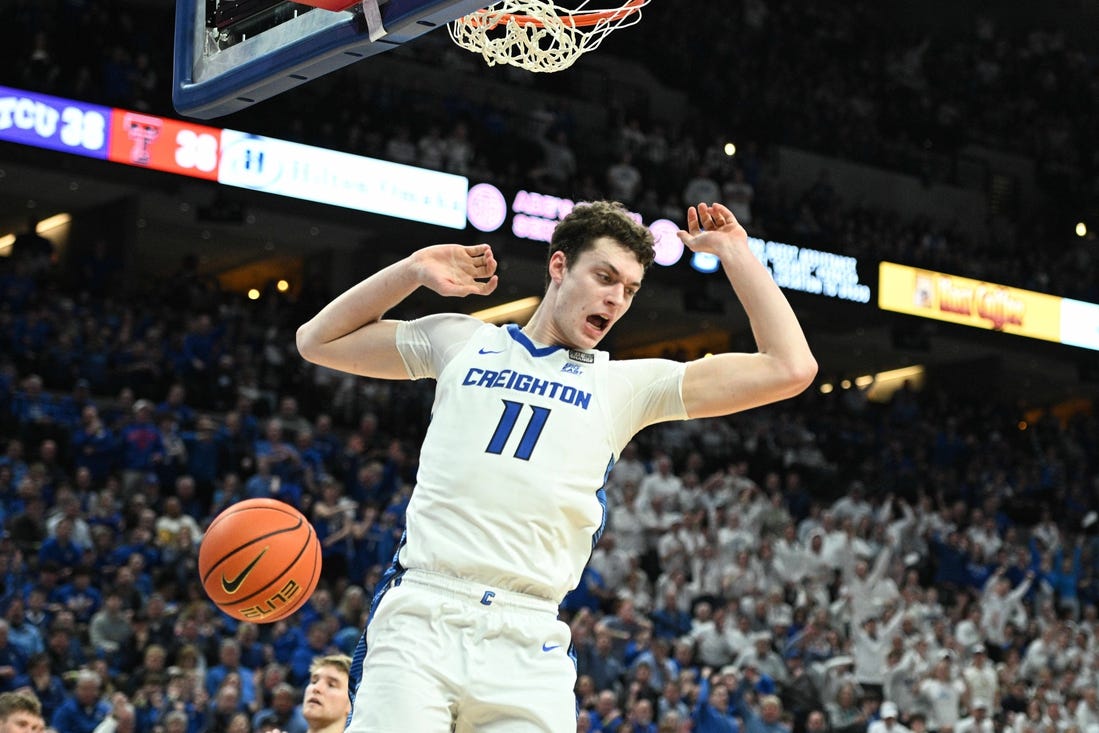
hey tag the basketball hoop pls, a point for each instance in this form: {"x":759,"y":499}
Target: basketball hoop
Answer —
{"x":540,"y":35}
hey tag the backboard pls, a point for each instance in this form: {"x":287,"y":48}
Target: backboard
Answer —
{"x":230,"y":54}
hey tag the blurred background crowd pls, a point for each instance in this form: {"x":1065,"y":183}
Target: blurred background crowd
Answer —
{"x":831,"y":563}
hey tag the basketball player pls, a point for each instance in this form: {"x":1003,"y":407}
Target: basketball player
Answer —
{"x":326,"y":702}
{"x":526,"y":424}
{"x":20,"y":712}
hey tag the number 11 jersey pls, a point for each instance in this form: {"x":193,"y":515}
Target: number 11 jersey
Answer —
{"x":510,"y":487}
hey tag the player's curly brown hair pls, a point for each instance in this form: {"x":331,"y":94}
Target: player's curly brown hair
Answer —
{"x":589,"y":221}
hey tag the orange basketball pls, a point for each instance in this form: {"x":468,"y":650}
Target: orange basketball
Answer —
{"x":260,"y":560}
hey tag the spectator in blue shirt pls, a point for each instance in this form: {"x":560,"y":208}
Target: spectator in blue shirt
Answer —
{"x":1064,"y":576}
{"x":94,"y":445}
{"x":655,"y":653}
{"x":951,"y":559}
{"x":312,"y":457}
{"x":319,"y":607}
{"x":95,"y":362}
{"x":671,"y":701}
{"x":49,"y":580}
{"x":264,"y":483}
{"x":44,"y":682}
{"x":640,"y":719}
{"x":22,"y":634}
{"x":13,"y":577}
{"x":71,"y":406}
{"x":38,"y":612}
{"x":669,"y":620}
{"x":142,"y":446}
{"x":63,"y":645}
{"x":203,"y":452}
{"x":318,"y":642}
{"x":768,"y":719}
{"x":141,"y":543}
{"x":229,"y":663}
{"x":235,"y":442}
{"x":600,"y":662}
{"x":281,"y":455}
{"x":79,"y":596}
{"x":201,"y":348}
{"x":12,"y":661}
{"x":325,"y":440}
{"x":286,"y":638}
{"x":348,"y":467}
{"x":711,"y":710}
{"x":607,"y":716}
{"x":85,"y":709}
{"x":175,"y":404}
{"x":61,"y":549}
{"x":588,"y":593}
{"x":284,"y":713}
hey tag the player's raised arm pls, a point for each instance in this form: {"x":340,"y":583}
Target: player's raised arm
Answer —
{"x":349,"y":333}
{"x":783,"y":366}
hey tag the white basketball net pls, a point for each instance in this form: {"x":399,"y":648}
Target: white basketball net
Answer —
{"x":539,"y":35}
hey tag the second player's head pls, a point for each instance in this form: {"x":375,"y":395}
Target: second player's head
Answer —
{"x":20,"y":712}
{"x":326,"y":702}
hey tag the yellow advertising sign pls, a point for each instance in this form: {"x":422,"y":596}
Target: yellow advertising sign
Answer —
{"x":955,"y":299}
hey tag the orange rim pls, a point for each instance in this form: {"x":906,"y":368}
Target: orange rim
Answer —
{"x":581,"y":19}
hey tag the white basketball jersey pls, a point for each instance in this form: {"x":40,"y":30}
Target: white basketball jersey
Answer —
{"x":510,"y":484}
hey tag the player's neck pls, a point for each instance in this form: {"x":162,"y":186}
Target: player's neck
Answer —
{"x":540,"y":328}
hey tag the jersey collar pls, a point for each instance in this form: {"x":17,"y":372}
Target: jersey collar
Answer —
{"x":521,"y":338}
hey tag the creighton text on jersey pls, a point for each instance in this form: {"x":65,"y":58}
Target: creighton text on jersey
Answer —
{"x":508,"y":379}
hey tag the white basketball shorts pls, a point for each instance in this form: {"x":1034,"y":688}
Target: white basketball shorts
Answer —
{"x":445,"y":655}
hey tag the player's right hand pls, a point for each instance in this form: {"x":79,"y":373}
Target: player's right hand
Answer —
{"x":457,"y":270}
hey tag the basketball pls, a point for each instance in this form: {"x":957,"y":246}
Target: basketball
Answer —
{"x":260,"y":560}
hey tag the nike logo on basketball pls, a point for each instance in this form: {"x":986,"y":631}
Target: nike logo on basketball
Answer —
{"x":549,"y":647}
{"x":490,"y":351}
{"x":232,"y":586}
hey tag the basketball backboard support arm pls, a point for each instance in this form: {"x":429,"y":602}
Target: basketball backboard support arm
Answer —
{"x":212,"y":81}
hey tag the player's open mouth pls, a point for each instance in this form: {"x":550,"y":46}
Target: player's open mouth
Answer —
{"x":598,"y":322}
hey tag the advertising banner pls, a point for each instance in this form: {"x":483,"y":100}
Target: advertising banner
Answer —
{"x":968,"y":302}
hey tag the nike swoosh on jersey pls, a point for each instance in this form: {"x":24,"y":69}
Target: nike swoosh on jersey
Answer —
{"x":490,"y":351}
{"x":549,"y":647}
{"x":232,"y":586}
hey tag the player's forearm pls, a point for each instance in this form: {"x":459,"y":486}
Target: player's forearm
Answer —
{"x":776,"y":329}
{"x":361,"y":305}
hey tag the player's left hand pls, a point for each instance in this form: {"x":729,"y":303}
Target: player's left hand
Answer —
{"x":712,"y":228}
